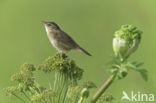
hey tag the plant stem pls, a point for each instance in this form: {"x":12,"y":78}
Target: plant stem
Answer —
{"x":26,"y":96}
{"x":103,"y":88}
{"x":19,"y":98}
{"x":81,"y":100}
{"x":65,"y":89}
{"x":50,"y":99}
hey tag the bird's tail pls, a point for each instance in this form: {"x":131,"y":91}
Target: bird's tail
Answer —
{"x":84,"y":51}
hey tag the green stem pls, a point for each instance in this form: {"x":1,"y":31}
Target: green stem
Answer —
{"x":26,"y":96}
{"x":19,"y":98}
{"x":50,"y":99}
{"x":56,"y":81}
{"x":65,"y":89}
{"x":59,"y":91}
{"x":81,"y":100}
{"x":103,"y":88}
{"x":50,"y":86}
{"x":76,"y":99}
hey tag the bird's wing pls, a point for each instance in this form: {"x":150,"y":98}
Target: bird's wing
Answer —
{"x":67,"y":40}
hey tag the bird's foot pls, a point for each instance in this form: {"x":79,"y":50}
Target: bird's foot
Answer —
{"x":63,"y":54}
{"x":60,"y":52}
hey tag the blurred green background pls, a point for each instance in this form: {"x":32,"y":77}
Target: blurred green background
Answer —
{"x":91,"y":23}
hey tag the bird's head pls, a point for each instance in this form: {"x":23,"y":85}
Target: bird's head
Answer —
{"x":51,"y":26}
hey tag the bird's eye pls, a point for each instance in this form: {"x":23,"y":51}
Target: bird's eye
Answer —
{"x":49,"y":24}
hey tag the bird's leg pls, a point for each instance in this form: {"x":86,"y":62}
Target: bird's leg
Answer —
{"x":63,"y":54}
{"x":60,"y":52}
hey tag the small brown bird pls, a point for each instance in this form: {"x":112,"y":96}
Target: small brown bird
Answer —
{"x":61,"y":40}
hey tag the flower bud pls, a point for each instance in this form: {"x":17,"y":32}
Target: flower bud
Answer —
{"x":85,"y":93}
{"x":119,"y":45}
{"x":126,"y":40}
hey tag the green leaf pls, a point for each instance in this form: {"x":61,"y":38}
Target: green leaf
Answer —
{"x":130,"y":65}
{"x":139,"y":64}
{"x":136,"y":66}
{"x":144,"y":73}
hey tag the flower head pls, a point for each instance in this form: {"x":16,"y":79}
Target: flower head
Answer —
{"x":126,"y":41}
{"x":25,"y":77}
{"x":42,"y":97}
{"x":61,"y":63}
{"x":28,"y":66}
{"x":11,"y":90}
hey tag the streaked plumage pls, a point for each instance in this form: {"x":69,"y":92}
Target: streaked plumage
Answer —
{"x":61,"y":40}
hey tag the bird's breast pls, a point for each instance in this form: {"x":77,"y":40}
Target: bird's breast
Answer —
{"x":54,"y":43}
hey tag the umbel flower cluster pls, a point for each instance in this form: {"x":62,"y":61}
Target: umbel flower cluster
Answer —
{"x":61,"y":64}
{"x":65,"y":88}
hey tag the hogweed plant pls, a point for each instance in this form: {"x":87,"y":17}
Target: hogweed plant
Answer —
{"x":65,"y":87}
{"x":125,"y":42}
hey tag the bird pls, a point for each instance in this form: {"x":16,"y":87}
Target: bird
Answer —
{"x":60,"y":39}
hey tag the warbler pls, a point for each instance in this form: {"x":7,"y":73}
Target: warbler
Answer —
{"x":60,"y":39}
